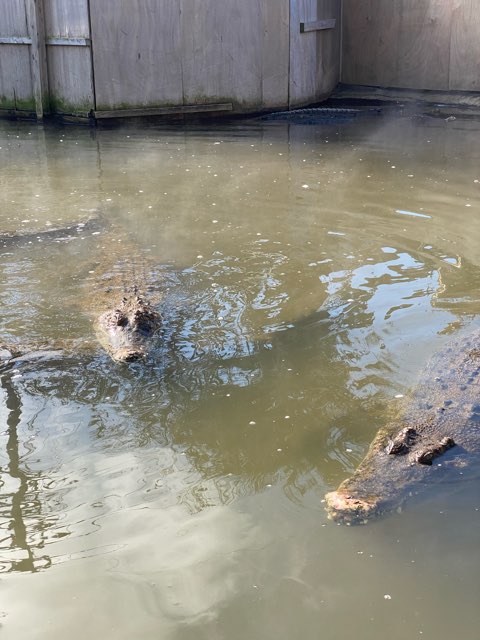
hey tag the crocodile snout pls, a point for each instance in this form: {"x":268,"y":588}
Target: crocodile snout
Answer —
{"x":349,"y":509}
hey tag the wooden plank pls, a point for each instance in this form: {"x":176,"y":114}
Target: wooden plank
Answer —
{"x":68,"y":42}
{"x":136,"y":53}
{"x":156,"y":53}
{"x":370,"y":41}
{"x":315,"y":55}
{"x":317,"y":25}
{"x":400,"y":43}
{"x":38,"y":57}
{"x":13,"y":21}
{"x":424,"y":44}
{"x":465,"y":47}
{"x":303,"y":54}
{"x":15,"y":40}
{"x":15,"y":79}
{"x":69,"y":57}
{"x":236,"y":51}
{"x":67,"y":18}
{"x":70,"y":80}
{"x":329,"y":44}
{"x":163,"y":111}
{"x":222,"y":51}
{"x":275,"y":53}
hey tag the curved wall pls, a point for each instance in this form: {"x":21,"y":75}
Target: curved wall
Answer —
{"x":156,"y":56}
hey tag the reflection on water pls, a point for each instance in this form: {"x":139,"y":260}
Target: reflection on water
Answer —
{"x":21,"y":503}
{"x":304,"y":274}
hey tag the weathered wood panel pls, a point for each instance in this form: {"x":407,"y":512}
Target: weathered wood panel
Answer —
{"x":136,"y":53}
{"x":23,"y":67}
{"x":15,"y":80}
{"x":424,"y":43}
{"x":465,"y":47}
{"x":69,"y":67}
{"x":329,"y":47}
{"x":314,"y":55}
{"x":13,"y":18}
{"x":235,"y":52}
{"x":417,"y":44}
{"x":151,"y":53}
{"x":369,"y":54}
{"x":38,"y":55}
{"x":220,"y":49}
{"x":275,"y":53}
{"x":70,"y":80}
{"x":303,"y":53}
{"x":67,"y":18}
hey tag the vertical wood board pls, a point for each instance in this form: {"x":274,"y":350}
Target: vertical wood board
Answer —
{"x":69,"y":67}
{"x":424,"y":44}
{"x":275,"y":53}
{"x":13,"y":18}
{"x":171,"y":52}
{"x":67,"y":18}
{"x":15,"y":79}
{"x":16,"y":90}
{"x":222,"y":51}
{"x":38,"y":55}
{"x":70,"y":80}
{"x":314,"y":55}
{"x":303,"y":53}
{"x":417,"y":44}
{"x":370,"y":42}
{"x":136,"y":53}
{"x":465,"y":47}
{"x":329,"y":47}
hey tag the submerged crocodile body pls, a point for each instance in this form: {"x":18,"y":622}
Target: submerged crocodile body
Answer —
{"x":125,"y":321}
{"x":436,"y":433}
{"x":93,"y":224}
{"x":126,"y":331}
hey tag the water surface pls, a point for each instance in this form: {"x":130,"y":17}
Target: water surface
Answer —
{"x":305,"y":273}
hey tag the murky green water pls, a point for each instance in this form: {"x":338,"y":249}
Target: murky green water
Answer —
{"x":305,"y":274}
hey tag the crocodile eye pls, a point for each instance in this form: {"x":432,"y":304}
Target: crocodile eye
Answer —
{"x":122,"y":321}
{"x":144,"y":325}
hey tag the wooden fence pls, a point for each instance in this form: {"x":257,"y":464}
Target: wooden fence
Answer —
{"x":133,"y":57}
{"x":415,"y":44}
{"x":45,"y":58}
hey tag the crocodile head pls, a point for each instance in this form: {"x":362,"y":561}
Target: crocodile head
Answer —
{"x":126,"y":332}
{"x":393,"y":470}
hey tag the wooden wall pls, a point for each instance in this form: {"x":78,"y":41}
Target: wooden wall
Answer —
{"x":416,"y":44}
{"x":15,"y":78}
{"x":77,"y":56}
{"x":155,"y":54}
{"x":70,"y":80}
{"x":150,"y":53}
{"x":314,"y":55}
{"x":45,"y":59}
